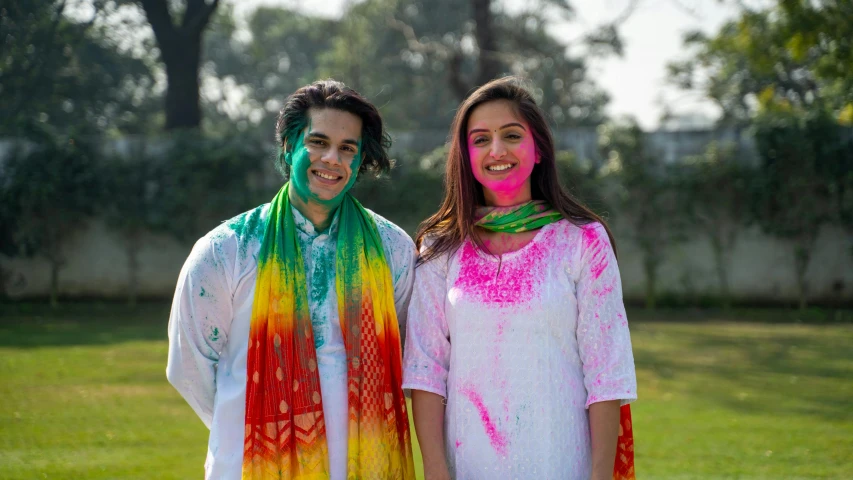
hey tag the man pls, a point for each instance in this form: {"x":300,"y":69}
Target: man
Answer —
{"x":284,"y":334}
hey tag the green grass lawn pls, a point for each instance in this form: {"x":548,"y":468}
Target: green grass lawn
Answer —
{"x":83,"y":395}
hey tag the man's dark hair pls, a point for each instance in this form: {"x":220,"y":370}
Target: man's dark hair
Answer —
{"x":293,"y":118}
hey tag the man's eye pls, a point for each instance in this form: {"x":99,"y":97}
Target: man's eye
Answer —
{"x":316,"y":141}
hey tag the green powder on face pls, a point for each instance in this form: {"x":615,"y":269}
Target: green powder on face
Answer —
{"x":300,"y":161}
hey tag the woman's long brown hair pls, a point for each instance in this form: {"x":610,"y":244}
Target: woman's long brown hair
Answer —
{"x":454,"y":220}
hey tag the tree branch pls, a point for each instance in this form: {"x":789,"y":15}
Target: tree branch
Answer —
{"x":160,"y":19}
{"x":197,"y":15}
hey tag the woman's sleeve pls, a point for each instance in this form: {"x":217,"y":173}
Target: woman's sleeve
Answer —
{"x":604,"y":341}
{"x":427,"y":354}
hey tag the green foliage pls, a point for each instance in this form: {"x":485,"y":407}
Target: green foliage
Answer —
{"x":584,"y":182}
{"x":647,"y":203}
{"x":410,"y":193}
{"x":283,"y":54}
{"x":203,"y":181}
{"x":415,"y":59}
{"x":714,"y":192}
{"x":793,"y":56}
{"x":50,"y":186}
{"x":64,"y":74}
{"x":804,"y":181}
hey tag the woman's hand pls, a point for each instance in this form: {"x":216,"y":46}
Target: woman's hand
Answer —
{"x":604,"y":433}
{"x":428,"y":413}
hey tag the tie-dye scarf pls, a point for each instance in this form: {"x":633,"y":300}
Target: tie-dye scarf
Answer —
{"x":530,"y":216}
{"x":285,"y":431}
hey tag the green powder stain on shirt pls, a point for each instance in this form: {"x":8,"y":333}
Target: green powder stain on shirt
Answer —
{"x":203,"y":293}
{"x":214,"y":336}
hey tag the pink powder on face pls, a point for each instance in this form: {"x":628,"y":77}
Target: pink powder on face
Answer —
{"x":496,"y":438}
{"x":596,"y":246}
{"x":510,"y":186}
{"x":520,"y":275}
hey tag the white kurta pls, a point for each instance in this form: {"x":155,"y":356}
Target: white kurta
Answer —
{"x":209,"y":329}
{"x":520,"y":348}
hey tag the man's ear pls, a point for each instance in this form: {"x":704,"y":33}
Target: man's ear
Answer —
{"x":287,"y":154}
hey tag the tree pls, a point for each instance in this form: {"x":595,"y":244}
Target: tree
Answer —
{"x":180,"y":45}
{"x":794,"y":197}
{"x":795,"y":53}
{"x":714,"y":189}
{"x":283,"y":54}
{"x":132,"y":183}
{"x":407,"y":56}
{"x":66,"y":73}
{"x":49,"y":188}
{"x":647,"y":202}
{"x":479,"y":42}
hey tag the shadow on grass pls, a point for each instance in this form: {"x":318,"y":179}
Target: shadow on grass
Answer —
{"x":38,"y":325}
{"x":769,"y":372}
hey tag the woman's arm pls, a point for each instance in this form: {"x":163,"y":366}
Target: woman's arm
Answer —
{"x":604,"y":432}
{"x":428,"y":412}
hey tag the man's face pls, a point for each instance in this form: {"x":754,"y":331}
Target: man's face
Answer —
{"x":325,"y":159}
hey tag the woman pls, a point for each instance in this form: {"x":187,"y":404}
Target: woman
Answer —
{"x":518,"y":353}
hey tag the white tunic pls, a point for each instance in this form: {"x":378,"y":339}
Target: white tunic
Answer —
{"x":521,"y":352}
{"x":209,"y":329}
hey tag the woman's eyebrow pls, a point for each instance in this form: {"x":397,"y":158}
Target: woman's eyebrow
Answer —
{"x":511,"y":124}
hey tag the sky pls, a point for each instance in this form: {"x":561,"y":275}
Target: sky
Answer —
{"x":636,"y":82}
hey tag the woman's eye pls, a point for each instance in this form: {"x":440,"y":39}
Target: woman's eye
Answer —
{"x":479,"y":140}
{"x":514,"y":136}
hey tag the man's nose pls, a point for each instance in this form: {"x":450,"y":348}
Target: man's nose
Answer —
{"x":331,"y":156}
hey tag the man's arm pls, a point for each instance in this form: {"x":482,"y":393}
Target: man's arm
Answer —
{"x":198,"y":327}
{"x":402,"y":263}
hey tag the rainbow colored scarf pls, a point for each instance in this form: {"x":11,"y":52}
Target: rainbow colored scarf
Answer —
{"x":285,"y":431}
{"x":530,"y":216}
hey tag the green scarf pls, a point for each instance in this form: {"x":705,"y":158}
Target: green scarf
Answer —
{"x":517,"y":218}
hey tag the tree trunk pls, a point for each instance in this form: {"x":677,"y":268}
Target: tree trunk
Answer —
{"x":180,"y":50}
{"x":182,"y":93}
{"x":132,"y":269}
{"x":55,"y":265}
{"x":802,"y":256}
{"x":488,"y":66}
{"x":650,"y":267}
{"x":721,"y":263}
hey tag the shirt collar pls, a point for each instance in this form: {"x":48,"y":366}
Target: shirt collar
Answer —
{"x":305,"y":226}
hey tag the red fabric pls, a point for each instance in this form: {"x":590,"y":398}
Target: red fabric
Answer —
{"x":623,"y":467}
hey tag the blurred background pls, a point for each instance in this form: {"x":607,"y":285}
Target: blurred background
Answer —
{"x":715,"y":136}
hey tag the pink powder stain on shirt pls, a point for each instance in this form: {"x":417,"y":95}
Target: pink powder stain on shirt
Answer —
{"x":518,"y":278}
{"x":496,"y":438}
{"x":604,"y":291}
{"x":458,"y":443}
{"x":594,"y":243}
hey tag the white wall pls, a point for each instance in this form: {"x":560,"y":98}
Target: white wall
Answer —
{"x":762,"y":268}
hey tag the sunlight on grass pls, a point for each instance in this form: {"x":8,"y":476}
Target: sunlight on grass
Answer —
{"x":85,"y":397}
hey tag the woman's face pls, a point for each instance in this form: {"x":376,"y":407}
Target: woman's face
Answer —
{"x":502,"y":152}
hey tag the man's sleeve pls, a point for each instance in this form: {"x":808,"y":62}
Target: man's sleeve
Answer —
{"x":405,"y":257}
{"x":198,"y":326}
